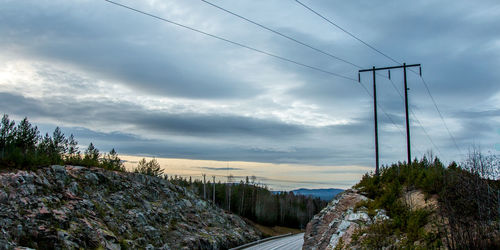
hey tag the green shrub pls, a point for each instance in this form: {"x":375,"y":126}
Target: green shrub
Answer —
{"x":466,"y":196}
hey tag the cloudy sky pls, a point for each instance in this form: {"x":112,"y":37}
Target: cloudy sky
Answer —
{"x":147,"y":87}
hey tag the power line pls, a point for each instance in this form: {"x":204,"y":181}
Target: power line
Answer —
{"x":347,"y":32}
{"x":316,"y":49}
{"x":304,"y":44}
{"x":396,"y":89}
{"x":232,"y":42}
{"x":416,"y":119}
{"x":258,"y":50}
{"x":440,"y":115}
{"x":390,"y":118}
{"x":383,"y":110}
{"x":281,"y":34}
{"x":288,"y":37}
{"x":390,"y":58}
{"x":425,"y":132}
{"x":415,"y":116}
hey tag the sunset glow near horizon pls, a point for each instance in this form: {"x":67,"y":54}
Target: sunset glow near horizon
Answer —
{"x":278,"y":177}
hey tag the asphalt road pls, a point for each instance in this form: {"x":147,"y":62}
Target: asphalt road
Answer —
{"x":293,"y":242}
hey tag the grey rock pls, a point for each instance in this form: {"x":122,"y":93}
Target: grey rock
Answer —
{"x":140,"y":219}
{"x":76,"y":207}
{"x":73,"y":187}
{"x":4,"y":197}
{"x":187,"y":203}
{"x":62,"y":235}
{"x":166,"y":247}
{"x":92,"y":178}
{"x":41,"y":180}
{"x":151,"y":232}
{"x":19,"y":231}
{"x":58,"y":168}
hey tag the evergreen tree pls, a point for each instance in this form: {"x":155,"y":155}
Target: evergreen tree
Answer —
{"x":152,"y":168}
{"x":91,"y":157}
{"x":26,"y":136}
{"x":60,"y":143}
{"x":112,"y":162}
{"x":72,"y":146}
{"x":6,"y":134}
{"x":45,"y":150}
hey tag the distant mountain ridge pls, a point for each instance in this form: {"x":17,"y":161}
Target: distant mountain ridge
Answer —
{"x":325,"y":194}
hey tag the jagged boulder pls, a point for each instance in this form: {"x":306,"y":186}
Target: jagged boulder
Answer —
{"x":70,"y":207}
{"x":338,"y":221}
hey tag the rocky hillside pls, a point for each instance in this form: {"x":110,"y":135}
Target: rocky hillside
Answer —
{"x":338,"y":222}
{"x":68,"y":207}
{"x":424,"y":205}
{"x":344,"y":223}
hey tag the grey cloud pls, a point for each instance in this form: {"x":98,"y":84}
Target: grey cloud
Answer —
{"x":478,"y":114}
{"x":454,"y":41}
{"x":309,"y":146}
{"x":221,"y":125}
{"x":121,"y":51}
{"x":159,"y":122}
{"x":449,"y":44}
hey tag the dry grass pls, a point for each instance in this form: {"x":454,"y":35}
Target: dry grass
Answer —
{"x":276,"y":230}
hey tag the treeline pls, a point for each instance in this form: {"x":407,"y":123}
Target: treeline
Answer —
{"x":468,"y":215}
{"x":22,"y":147}
{"x":256,"y":202}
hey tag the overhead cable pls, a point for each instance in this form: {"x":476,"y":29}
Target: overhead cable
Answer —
{"x":232,"y":42}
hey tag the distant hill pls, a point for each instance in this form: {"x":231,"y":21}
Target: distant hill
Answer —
{"x":325,"y":194}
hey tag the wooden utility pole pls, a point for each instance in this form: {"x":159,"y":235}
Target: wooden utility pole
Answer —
{"x":229,"y":180}
{"x":376,"y":121}
{"x":204,"y":187}
{"x":373,"y":70}
{"x":407,"y":117}
{"x":213,"y":185}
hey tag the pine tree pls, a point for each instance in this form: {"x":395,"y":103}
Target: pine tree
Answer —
{"x":60,"y":143}
{"x":152,"y":168}
{"x":45,"y":144}
{"x":6,"y":134}
{"x":112,"y":162}
{"x":26,"y":136}
{"x":91,"y":157}
{"x":72,"y":146}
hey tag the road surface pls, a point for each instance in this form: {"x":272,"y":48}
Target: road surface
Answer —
{"x":293,"y":242}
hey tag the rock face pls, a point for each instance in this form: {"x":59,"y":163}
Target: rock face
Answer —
{"x":68,"y":207}
{"x":338,"y":221}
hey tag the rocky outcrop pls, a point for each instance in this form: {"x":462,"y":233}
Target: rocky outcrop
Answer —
{"x":338,"y":221}
{"x":69,"y":207}
{"x":416,"y":199}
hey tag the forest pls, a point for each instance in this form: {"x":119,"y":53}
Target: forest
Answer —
{"x":256,"y":202}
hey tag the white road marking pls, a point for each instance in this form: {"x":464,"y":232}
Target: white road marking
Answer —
{"x":293,"y":242}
